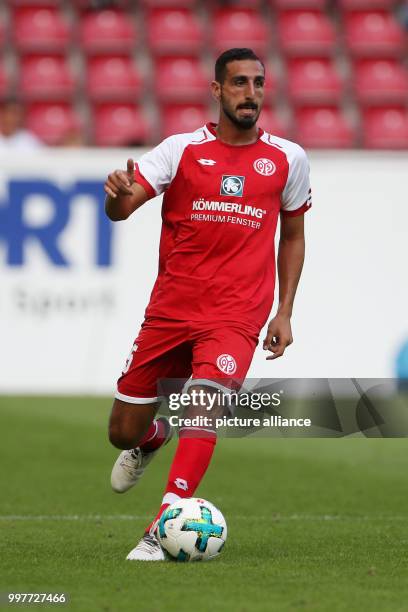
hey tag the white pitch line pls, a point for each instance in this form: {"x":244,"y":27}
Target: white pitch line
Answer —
{"x":133,"y":517}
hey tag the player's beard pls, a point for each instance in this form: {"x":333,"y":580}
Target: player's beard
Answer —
{"x":245,"y":123}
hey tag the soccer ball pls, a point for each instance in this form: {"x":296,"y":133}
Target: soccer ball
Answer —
{"x":192,"y":530}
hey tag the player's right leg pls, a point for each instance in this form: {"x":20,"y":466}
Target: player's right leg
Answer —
{"x":160,"y":351}
{"x":133,"y":429}
{"x":156,"y":353}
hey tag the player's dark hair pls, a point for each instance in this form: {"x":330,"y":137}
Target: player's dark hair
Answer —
{"x":230,"y":56}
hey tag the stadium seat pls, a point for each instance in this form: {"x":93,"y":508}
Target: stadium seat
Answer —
{"x":323,"y":127}
{"x":113,"y":78}
{"x":308,"y":33}
{"x":380,"y":82}
{"x":169,"y":4}
{"x":374,"y":34}
{"x":33,"y":3}
{"x":176,"y":31}
{"x":181,"y":80}
{"x":240,"y":28}
{"x":2,"y":35}
{"x":106,"y":32}
{"x":177,"y":119}
{"x":52,"y":122}
{"x":366,"y":5}
{"x":304,"y":5}
{"x":270,"y":121}
{"x":272,"y":83}
{"x":46,"y":78}
{"x":42,"y":30}
{"x":5,"y":84}
{"x":385,"y":128}
{"x":117,"y":125}
{"x":314,"y":81}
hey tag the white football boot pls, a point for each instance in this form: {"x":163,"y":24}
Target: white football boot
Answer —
{"x":148,"y":549}
{"x":129,"y":467}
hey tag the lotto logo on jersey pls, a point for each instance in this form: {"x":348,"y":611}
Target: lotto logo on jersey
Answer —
{"x":232,"y":185}
{"x":226,"y":363}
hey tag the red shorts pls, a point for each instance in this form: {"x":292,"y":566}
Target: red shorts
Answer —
{"x":219,"y":354}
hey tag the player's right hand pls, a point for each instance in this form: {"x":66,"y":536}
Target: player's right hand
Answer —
{"x":120,"y":182}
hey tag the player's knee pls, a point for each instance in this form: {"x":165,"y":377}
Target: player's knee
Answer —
{"x":121,"y":439}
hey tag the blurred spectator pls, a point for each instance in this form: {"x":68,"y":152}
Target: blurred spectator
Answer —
{"x":13,"y":135}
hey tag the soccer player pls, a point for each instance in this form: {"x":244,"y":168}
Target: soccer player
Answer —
{"x":225,"y":187}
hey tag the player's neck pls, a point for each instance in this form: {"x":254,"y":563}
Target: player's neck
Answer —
{"x":231,"y":134}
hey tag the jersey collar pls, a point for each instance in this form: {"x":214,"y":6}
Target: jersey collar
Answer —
{"x":211,"y":127}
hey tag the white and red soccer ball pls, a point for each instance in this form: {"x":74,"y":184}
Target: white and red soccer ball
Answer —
{"x":192,"y":529}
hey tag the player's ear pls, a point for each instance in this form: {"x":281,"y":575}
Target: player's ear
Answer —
{"x":216,"y":90}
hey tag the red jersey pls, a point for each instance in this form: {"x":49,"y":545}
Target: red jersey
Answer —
{"x":220,"y":210}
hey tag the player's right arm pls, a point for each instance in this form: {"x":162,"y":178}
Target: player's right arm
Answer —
{"x":123,"y":194}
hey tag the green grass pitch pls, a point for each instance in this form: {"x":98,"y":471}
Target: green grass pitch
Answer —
{"x":314,"y":525}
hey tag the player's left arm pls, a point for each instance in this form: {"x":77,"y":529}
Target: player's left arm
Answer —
{"x":291,"y":255}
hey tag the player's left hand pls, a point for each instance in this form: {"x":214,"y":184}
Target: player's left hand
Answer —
{"x":278,"y":337}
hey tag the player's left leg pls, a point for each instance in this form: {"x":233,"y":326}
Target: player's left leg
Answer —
{"x":221,"y":358}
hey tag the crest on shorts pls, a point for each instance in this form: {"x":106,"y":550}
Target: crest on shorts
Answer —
{"x":226,"y":363}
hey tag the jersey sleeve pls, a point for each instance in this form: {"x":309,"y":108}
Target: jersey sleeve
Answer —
{"x":154,"y":170}
{"x":297,"y":194}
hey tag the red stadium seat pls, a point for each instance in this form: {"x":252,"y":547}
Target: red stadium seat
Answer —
{"x":240,"y":28}
{"x":374,"y":34}
{"x":2,"y":35}
{"x":46,"y":78}
{"x":117,"y":125}
{"x":34,"y":3}
{"x":113,"y":78}
{"x":366,"y":5}
{"x":272,"y":83}
{"x":181,"y":80}
{"x":314,"y":81}
{"x":5,"y":84}
{"x":40,"y":30}
{"x":325,"y":128}
{"x":380,"y":82}
{"x":271,"y":122}
{"x":304,"y":5}
{"x":177,"y":119}
{"x":52,"y":122}
{"x":106,"y":32}
{"x":385,"y":128}
{"x":174,"y":31}
{"x":169,"y":4}
{"x":306,"y":33}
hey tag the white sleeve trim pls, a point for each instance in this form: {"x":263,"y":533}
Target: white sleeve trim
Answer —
{"x":159,"y":166}
{"x":297,"y":190}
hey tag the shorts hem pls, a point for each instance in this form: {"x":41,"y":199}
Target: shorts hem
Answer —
{"x":137,"y":400}
{"x":206,"y":382}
